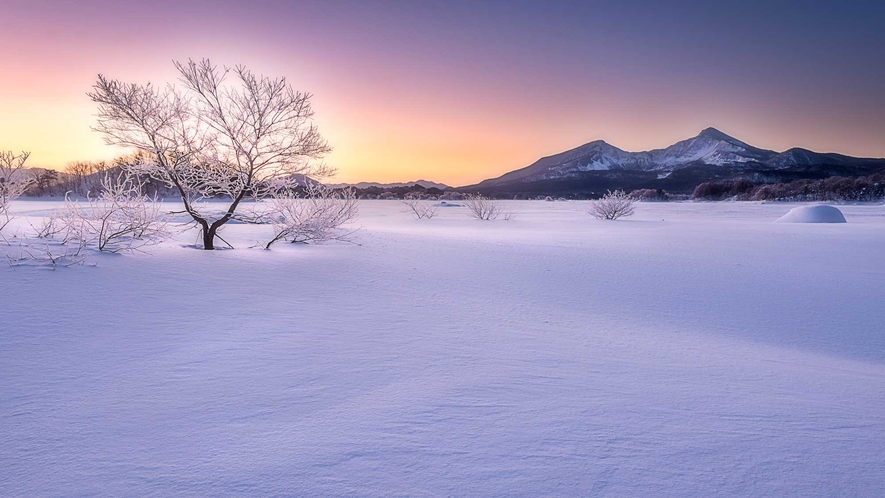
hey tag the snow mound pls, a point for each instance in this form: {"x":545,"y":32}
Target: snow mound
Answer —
{"x":813,"y":214}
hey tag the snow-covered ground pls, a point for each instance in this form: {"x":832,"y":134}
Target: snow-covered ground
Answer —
{"x":693,"y":350}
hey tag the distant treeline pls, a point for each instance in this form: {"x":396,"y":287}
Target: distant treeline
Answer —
{"x":85,"y":179}
{"x":54,"y":183}
{"x":835,"y":188}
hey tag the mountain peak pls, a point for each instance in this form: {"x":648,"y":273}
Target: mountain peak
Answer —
{"x":593,"y":144}
{"x":715,"y":134}
{"x":712,"y":134}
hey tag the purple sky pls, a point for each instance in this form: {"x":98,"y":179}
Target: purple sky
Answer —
{"x":461,"y":91}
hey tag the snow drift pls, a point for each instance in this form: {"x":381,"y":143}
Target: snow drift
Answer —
{"x":449,"y":357}
{"x":813,"y":214}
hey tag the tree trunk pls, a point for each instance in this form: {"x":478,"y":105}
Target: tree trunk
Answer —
{"x":209,"y":231}
{"x":209,"y":239}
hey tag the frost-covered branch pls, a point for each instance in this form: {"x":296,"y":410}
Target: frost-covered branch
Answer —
{"x":119,"y":218}
{"x":481,"y":207}
{"x":612,"y":205}
{"x":320,"y":215}
{"x":14,"y":180}
{"x":420,"y":209}
{"x":48,"y":253}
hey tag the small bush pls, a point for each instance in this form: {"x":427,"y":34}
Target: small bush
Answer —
{"x":612,"y":205}
{"x":120,"y":218}
{"x":420,"y":209}
{"x":319,"y":216}
{"x":482,"y":208}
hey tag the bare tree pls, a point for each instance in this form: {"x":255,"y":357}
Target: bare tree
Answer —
{"x":215,"y":138}
{"x":318,"y":216}
{"x":85,"y":177}
{"x":77,"y":172}
{"x":14,"y":180}
{"x":481,"y":207}
{"x":420,"y":209}
{"x":612,"y":205}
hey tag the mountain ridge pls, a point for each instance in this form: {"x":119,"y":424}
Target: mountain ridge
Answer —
{"x":423,"y":183}
{"x":710,"y":155}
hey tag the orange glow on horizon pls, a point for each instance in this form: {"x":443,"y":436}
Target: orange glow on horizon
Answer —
{"x":454,"y":111}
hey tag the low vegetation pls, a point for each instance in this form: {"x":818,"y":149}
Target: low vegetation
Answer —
{"x":320,"y":215}
{"x":420,"y":209}
{"x":14,"y":181}
{"x":613,"y":206}
{"x":482,"y":208}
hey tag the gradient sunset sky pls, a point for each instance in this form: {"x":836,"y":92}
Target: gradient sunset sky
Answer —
{"x":462,"y":91}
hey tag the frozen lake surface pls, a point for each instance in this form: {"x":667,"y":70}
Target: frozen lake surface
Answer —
{"x":692,"y":350}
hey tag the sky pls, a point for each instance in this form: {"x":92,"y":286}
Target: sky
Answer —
{"x":459,"y":91}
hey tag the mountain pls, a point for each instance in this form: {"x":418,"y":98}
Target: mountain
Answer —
{"x":423,"y":183}
{"x":711,"y":155}
{"x":302,"y":180}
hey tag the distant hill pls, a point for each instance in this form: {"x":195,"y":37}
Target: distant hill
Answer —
{"x":423,"y":183}
{"x":710,"y":156}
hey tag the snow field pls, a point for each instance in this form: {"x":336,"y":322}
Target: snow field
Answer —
{"x":692,"y":350}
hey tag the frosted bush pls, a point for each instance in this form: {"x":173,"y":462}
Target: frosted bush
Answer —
{"x":612,"y":205}
{"x":420,"y":209}
{"x":119,"y":218}
{"x":321,"y":214}
{"x":481,"y":207}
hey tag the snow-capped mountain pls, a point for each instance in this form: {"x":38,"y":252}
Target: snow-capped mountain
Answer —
{"x":711,"y":154}
{"x":711,"y":146}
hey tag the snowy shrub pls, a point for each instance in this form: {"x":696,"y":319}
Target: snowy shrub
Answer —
{"x":119,"y":218}
{"x":46,"y":253}
{"x":420,"y":209}
{"x":14,"y":180}
{"x":482,"y":208}
{"x":612,"y":205}
{"x":320,"y":215}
